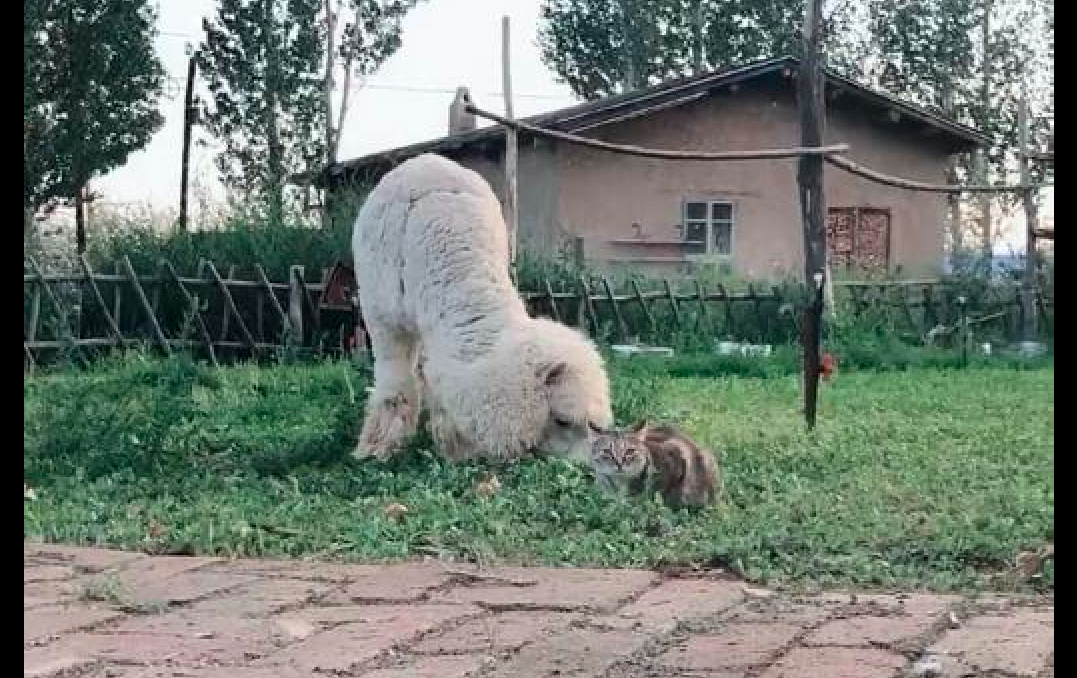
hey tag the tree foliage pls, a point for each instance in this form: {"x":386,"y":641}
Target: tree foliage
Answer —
{"x":91,"y":88}
{"x":265,"y":62}
{"x":601,"y":48}
{"x":261,"y":59}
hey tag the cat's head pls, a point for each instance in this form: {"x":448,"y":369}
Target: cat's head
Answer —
{"x":617,"y":453}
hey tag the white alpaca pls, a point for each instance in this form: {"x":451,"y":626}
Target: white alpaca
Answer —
{"x":431,"y":260}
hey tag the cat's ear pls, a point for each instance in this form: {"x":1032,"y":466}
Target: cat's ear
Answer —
{"x":640,"y":426}
{"x":553,"y":374}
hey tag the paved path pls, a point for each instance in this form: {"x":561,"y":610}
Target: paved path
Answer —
{"x":92,"y":612}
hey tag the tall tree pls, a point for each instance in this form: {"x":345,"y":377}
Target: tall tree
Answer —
{"x":91,"y":89}
{"x":600,"y":48}
{"x":271,"y":67}
{"x":970,"y":58}
{"x":366,"y":41}
{"x":261,"y":60}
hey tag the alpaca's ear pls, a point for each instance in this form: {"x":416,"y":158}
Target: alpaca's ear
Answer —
{"x":554,"y":374}
{"x":640,"y":426}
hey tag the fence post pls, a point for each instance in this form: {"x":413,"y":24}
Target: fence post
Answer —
{"x":295,"y":304}
{"x":578,"y":253}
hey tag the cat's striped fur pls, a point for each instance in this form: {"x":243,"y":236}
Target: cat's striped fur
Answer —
{"x":656,"y":458}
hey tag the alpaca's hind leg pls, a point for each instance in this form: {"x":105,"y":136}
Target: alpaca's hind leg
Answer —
{"x":392,"y":411}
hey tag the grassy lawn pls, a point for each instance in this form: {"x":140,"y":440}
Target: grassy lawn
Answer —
{"x":929,"y":477}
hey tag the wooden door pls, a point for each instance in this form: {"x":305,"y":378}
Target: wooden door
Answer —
{"x":859,"y":237}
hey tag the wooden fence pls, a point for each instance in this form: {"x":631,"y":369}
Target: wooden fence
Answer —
{"x":222,"y":316}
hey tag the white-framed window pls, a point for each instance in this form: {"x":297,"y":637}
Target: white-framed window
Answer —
{"x":708,"y":227}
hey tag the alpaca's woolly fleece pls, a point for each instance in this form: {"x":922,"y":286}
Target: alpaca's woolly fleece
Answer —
{"x":431,"y":260}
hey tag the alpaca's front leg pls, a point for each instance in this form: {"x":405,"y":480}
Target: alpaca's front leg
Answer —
{"x":392,"y":412}
{"x":448,"y":439}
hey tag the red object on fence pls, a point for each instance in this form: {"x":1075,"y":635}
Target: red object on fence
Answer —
{"x":340,"y":287}
{"x":829,"y":366}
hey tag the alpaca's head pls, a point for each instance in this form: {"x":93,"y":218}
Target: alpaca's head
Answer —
{"x":543,"y":389}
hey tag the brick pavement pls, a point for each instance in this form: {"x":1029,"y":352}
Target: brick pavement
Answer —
{"x":97,"y":613}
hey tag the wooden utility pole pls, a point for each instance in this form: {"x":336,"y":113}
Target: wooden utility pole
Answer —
{"x":189,"y":115}
{"x":80,"y":220}
{"x":511,"y":207}
{"x":983,"y":166}
{"x":811,"y":107}
{"x":1028,"y":290}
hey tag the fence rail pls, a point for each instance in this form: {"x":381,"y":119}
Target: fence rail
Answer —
{"x":226,"y":317}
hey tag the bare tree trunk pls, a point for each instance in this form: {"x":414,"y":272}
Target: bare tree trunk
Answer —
{"x":330,"y":133}
{"x":276,"y":151}
{"x":985,"y":103}
{"x":629,"y":57}
{"x":697,"y":37}
{"x":80,"y":220}
{"x":349,"y":61}
{"x":956,"y":227}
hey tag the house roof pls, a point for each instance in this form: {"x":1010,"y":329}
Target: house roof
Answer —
{"x":668,"y":94}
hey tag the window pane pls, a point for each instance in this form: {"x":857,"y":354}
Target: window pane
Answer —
{"x":721,"y":211}
{"x":695,"y":210}
{"x":695,"y":237}
{"x":723,"y":238}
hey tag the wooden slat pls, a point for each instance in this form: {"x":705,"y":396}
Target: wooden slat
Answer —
{"x":140,"y":294}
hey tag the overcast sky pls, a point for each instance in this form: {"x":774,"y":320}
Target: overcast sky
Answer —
{"x":446,"y":43}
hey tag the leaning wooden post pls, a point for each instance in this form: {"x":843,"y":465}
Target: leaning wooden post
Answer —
{"x":61,"y":310}
{"x":140,"y":294}
{"x":273,"y":301}
{"x":196,"y":312}
{"x":552,"y":300}
{"x":512,"y":210}
{"x":643,"y":306}
{"x":35,"y":313}
{"x":230,"y":306}
{"x":621,"y":325}
{"x":810,"y":104}
{"x":113,"y":328}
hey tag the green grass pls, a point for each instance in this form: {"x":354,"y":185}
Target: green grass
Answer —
{"x":927,"y":477}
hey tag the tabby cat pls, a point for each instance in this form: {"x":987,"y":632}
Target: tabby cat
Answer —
{"x":648,"y":459}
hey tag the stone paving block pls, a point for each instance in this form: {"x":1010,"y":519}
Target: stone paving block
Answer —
{"x":1019,"y":642}
{"x":406,"y":582}
{"x":205,"y":672}
{"x":148,"y":648}
{"x":736,"y":645}
{"x":42,"y":594}
{"x":190,"y":624}
{"x":38,"y":662}
{"x":444,"y":666}
{"x":45,"y":622}
{"x":43,"y":573}
{"x":158,"y":587}
{"x":778,"y":610}
{"x":83,"y":558}
{"x":836,"y":662}
{"x":262,"y":597}
{"x":553,"y":588}
{"x":339,"y":573}
{"x":867,"y":631}
{"x":370,"y":631}
{"x":496,"y":632}
{"x":660,"y":609}
{"x":578,"y":653}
